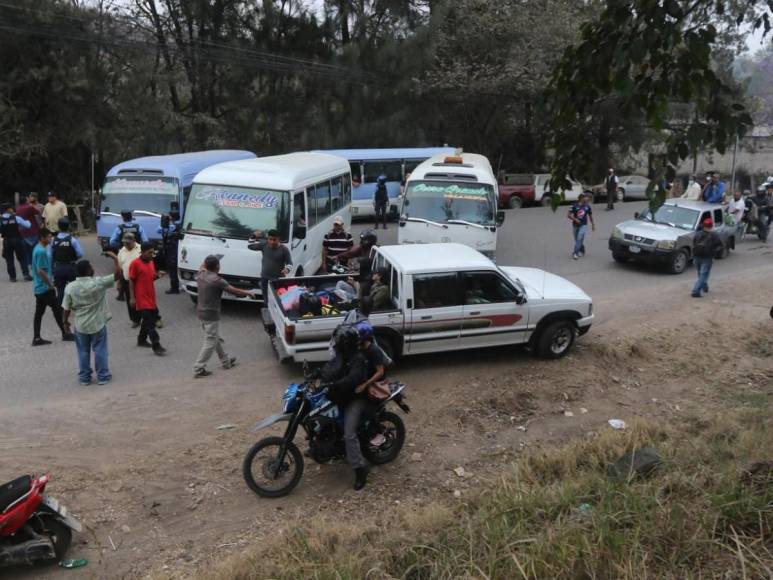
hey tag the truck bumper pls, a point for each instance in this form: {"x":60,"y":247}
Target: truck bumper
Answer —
{"x":644,"y":253}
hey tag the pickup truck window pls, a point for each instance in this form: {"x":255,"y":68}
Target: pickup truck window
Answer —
{"x":436,"y":290}
{"x":486,"y":288}
{"x":719,"y":218}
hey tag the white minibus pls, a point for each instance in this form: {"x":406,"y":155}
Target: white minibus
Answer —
{"x":298,"y":194}
{"x":452,"y":198}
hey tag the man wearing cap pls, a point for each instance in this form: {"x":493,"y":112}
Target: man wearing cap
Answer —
{"x":64,"y":251}
{"x":706,"y":244}
{"x":129,"y":252}
{"x":336,"y":242}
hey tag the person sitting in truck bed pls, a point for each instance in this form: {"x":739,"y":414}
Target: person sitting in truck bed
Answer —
{"x":379,"y":291}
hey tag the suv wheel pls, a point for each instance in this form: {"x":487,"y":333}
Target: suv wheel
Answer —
{"x":546,"y":200}
{"x":556,"y":339}
{"x":679,"y":262}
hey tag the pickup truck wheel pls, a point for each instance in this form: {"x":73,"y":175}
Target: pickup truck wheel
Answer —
{"x":679,"y":262}
{"x":556,"y":339}
{"x":618,"y":257}
{"x":724,"y":252}
{"x":546,"y":200}
{"x":514,"y":202}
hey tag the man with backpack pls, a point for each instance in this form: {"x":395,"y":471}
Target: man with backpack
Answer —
{"x":381,"y":201}
{"x":705,"y":246}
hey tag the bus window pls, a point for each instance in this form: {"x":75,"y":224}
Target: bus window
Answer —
{"x":392,"y":169}
{"x":299,"y":209}
{"x":322,"y":200}
{"x":410,"y":165}
{"x":347,"y":190}
{"x":337,"y":193}
{"x":356,"y":172}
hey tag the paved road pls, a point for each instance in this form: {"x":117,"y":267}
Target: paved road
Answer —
{"x":530,"y":237}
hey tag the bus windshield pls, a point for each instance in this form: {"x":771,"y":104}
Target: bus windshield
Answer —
{"x":442,"y":201}
{"x":236,"y":212}
{"x":153,"y":194}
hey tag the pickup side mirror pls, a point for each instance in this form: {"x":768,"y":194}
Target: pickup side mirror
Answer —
{"x":299,"y":232}
{"x":500,"y":217}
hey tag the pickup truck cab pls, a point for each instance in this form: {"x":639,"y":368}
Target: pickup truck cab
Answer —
{"x":667,"y":236}
{"x":444,"y":297}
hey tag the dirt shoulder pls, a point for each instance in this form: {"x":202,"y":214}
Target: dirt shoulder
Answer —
{"x":159,"y":487}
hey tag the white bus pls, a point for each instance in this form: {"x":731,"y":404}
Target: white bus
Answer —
{"x":298,"y":194}
{"x":452,"y":198}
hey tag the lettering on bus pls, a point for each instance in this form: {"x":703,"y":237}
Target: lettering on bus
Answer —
{"x":225,"y":198}
{"x":147,"y":186}
{"x":452,"y":191}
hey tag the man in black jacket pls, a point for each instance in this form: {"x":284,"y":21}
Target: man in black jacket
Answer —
{"x":705,"y":246}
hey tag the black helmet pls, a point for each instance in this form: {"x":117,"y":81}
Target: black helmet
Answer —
{"x":126,"y":214}
{"x":347,"y":341}
{"x":369,"y":237}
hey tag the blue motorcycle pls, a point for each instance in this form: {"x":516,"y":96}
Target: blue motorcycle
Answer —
{"x":274,"y":465}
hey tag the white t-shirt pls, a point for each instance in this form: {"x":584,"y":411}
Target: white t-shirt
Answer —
{"x":736,"y":209}
{"x":126,"y":257}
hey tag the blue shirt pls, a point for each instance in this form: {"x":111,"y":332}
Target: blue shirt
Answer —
{"x":173,"y":227}
{"x":714,"y":193}
{"x":41,"y":261}
{"x":581,"y":213}
{"x":76,"y":245}
{"x":115,"y":239}
{"x":23,"y":224}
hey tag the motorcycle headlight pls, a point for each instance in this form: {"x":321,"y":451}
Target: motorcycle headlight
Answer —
{"x":666,"y":244}
{"x":617,"y":232}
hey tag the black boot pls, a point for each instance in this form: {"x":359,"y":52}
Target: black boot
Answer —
{"x":360,"y":477}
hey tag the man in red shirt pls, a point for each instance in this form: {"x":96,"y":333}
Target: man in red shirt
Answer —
{"x":30,"y":213}
{"x":142,"y":292}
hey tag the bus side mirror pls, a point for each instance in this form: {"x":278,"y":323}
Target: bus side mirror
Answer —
{"x":299,"y":232}
{"x":500,"y":217}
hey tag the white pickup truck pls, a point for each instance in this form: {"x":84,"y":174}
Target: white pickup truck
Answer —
{"x":444,"y":297}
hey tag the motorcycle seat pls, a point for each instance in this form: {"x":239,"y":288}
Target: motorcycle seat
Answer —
{"x":13,"y":490}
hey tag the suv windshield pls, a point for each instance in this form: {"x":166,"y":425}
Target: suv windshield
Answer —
{"x":236,"y":212}
{"x":673,"y":215}
{"x":442,"y":201}
{"x":139,"y":193}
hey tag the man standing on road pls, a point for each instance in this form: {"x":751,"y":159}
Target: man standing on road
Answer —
{"x":11,"y":227}
{"x":611,"y":184}
{"x":705,"y":246}
{"x":714,"y":192}
{"x":85,"y":299}
{"x":381,"y":201}
{"x":579,"y":214}
{"x":210,"y":291}
{"x":142,"y":276}
{"x":64,"y":251}
{"x":30,"y":213}
{"x":43,"y":287}
{"x":53,"y":211}
{"x":128,"y":253}
{"x":336,"y":242}
{"x":736,"y":208}
{"x":276,"y":260}
{"x":170,"y":225}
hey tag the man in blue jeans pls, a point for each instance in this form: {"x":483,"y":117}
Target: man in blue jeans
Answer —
{"x":705,"y":246}
{"x":85,"y":298}
{"x":579,"y":214}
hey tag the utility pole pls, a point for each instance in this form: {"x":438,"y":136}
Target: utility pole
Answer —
{"x":735,"y":154}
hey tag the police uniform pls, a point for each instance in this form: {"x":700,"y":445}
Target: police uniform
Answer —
{"x":64,"y":255}
{"x":13,"y":244}
{"x":170,"y":243}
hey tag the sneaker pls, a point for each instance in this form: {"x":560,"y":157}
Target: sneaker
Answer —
{"x":28,"y":278}
{"x":103,"y":381}
{"x":695,"y":295}
{"x":575,"y":256}
{"x":144,"y":344}
{"x":40,"y":342}
{"x":84,"y":383}
{"x":68,"y":337}
{"x":172,"y":291}
{"x":230,"y":363}
{"x":201,"y":373}
{"x":159,"y":323}
{"x":159,"y":350}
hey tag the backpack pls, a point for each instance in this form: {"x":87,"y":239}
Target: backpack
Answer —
{"x":702,"y":245}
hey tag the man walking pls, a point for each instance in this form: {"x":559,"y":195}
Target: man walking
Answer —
{"x":336,"y":242}
{"x":64,"y":252}
{"x":29,"y":212}
{"x":53,"y":211}
{"x":579,"y":214}
{"x":381,"y":201}
{"x":11,"y":227}
{"x":275,"y":262}
{"x":210,"y":291}
{"x":611,"y":184}
{"x":85,"y":299}
{"x":43,"y":287}
{"x":142,"y":275}
{"x":128,"y":253}
{"x":705,"y":246}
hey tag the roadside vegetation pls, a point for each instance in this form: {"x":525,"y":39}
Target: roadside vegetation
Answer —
{"x":557,"y":514}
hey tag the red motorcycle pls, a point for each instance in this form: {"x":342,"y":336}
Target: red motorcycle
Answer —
{"x":34,"y":527}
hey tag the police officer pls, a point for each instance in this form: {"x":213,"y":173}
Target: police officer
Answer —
{"x":381,"y":201}
{"x":64,"y":251}
{"x":128,"y":226}
{"x":170,"y":226}
{"x":11,"y":226}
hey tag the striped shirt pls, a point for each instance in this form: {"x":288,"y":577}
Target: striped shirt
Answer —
{"x":337,"y":243}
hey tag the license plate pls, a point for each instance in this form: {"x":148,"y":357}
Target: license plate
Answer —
{"x":634,"y":249}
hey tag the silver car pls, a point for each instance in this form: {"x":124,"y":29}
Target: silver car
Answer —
{"x":667,"y":237}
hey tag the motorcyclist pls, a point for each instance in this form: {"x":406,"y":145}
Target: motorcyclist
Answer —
{"x":341,"y":375}
{"x":760,"y":216}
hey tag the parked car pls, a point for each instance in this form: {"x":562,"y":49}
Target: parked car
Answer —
{"x":515,"y":190}
{"x":628,"y":187}
{"x":667,"y":236}
{"x":444,"y":297}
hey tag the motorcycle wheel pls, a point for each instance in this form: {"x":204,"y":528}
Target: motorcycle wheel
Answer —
{"x":267,"y":467}
{"x":59,"y":534}
{"x":393,"y":429}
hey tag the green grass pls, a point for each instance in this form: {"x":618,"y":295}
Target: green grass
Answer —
{"x":694,"y":519}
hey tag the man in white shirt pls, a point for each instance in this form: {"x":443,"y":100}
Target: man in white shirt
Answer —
{"x":693,"y":191}
{"x":53,"y":211}
{"x":736,"y":208}
{"x":126,"y":255}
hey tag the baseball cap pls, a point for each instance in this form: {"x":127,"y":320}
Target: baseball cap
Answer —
{"x":708,"y":223}
{"x":338,"y":220}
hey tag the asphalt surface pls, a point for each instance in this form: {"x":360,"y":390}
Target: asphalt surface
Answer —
{"x":534,"y":237}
